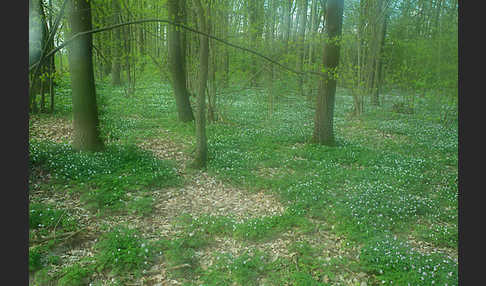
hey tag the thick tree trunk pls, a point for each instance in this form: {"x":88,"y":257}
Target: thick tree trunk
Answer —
{"x":177,"y":48}
{"x":323,"y":124}
{"x":85,"y":110}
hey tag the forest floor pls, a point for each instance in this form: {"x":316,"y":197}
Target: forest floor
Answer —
{"x":271,"y":209}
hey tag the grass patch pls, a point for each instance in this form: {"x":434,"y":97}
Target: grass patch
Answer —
{"x":180,"y":254}
{"x":44,"y":220}
{"x":253,"y":229}
{"x":124,"y":250}
{"x":393,"y":261}
{"x":245,"y":269}
{"x":76,"y":275}
{"x":105,"y":178}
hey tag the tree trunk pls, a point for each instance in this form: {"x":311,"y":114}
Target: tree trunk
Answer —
{"x":212,"y":83}
{"x":127,"y":31}
{"x":312,"y":29}
{"x":52,"y":67}
{"x":85,"y":110}
{"x":226,"y":55}
{"x":255,"y":15}
{"x":288,"y":22}
{"x":177,"y":48}
{"x":117,"y":47}
{"x":61,"y":71}
{"x":302,"y":27}
{"x":359,"y":90}
{"x":323,"y":124}
{"x":379,"y":63}
{"x":201,"y":148}
{"x":38,"y":34}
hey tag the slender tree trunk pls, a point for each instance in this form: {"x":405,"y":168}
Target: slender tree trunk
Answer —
{"x":42,"y":94}
{"x":255,"y":18}
{"x":359,"y":90}
{"x":201,"y":148}
{"x":127,"y":58}
{"x":52,"y":67}
{"x":177,"y":48}
{"x":61,"y":71}
{"x":107,"y":40}
{"x":141,"y":32}
{"x":379,"y":63}
{"x":212,"y":71}
{"x":311,"y":31}
{"x":44,"y":70}
{"x":288,"y":22}
{"x":85,"y":110}
{"x":302,"y":27}
{"x":323,"y":124}
{"x":117,"y":47}
{"x":226,"y":55}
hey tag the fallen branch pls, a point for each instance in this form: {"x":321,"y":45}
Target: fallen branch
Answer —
{"x":63,"y":236}
{"x":179,"y":266}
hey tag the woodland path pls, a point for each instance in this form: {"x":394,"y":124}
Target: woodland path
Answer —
{"x":201,"y":194}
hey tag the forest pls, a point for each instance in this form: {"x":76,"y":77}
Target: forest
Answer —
{"x":243,"y":142}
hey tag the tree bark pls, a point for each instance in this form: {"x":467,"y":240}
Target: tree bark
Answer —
{"x":323,"y":124}
{"x":212,"y":72}
{"x":301,"y":44}
{"x":52,"y":67}
{"x":201,"y":144}
{"x":288,"y":22}
{"x":255,"y":19}
{"x":379,"y":63}
{"x":177,"y":48}
{"x":85,"y":110}
{"x":127,"y":57}
{"x":117,"y":47}
{"x":38,"y":34}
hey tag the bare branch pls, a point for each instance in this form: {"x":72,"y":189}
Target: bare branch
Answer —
{"x":183,"y":27}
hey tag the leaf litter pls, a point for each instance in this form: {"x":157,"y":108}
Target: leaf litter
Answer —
{"x":201,"y":195}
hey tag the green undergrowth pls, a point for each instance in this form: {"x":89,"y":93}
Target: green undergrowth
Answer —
{"x":397,"y":175}
{"x":44,"y":220}
{"x":179,"y":253}
{"x":245,"y":269}
{"x":395,"y":262}
{"x":105,"y":178}
{"x":391,"y":176}
{"x":121,"y":252}
{"x":252,"y":229}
